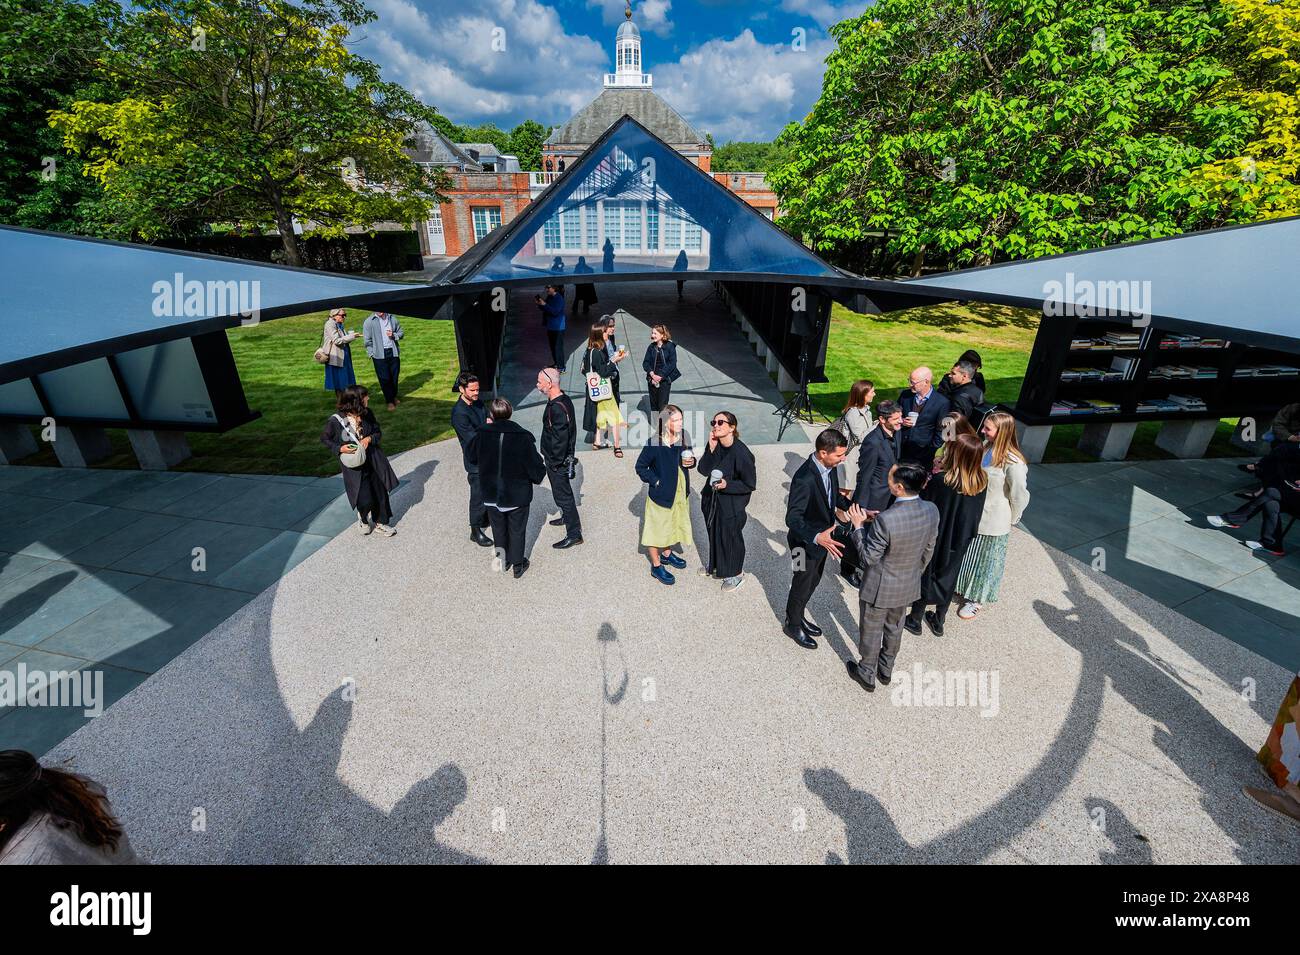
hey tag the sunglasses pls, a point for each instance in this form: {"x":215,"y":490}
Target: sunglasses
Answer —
{"x":720,"y":422}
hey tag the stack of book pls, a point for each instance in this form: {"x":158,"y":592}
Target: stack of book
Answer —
{"x":1080,"y":342}
{"x":1120,"y":339}
{"x":1199,"y":372}
{"x":1171,"y":340}
{"x":1061,"y":407}
{"x":1188,"y":402}
{"x":1124,"y":366}
{"x":1266,"y":371}
{"x":1091,"y":374}
{"x":1158,"y":405}
{"x":1104,"y":407}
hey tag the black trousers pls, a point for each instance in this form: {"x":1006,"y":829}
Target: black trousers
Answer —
{"x":387,"y":370}
{"x":556,"y":341}
{"x":477,"y":512}
{"x":1270,"y":503}
{"x":804,"y":583}
{"x":509,"y":530}
{"x":372,"y":497}
{"x":726,"y":540}
{"x":660,"y":394}
{"x":565,"y":499}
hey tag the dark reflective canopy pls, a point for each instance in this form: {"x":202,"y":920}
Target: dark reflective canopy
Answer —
{"x":632,"y":205}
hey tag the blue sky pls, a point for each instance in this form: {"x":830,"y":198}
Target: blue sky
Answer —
{"x":729,"y":66}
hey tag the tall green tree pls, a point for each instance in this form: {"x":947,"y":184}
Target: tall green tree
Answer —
{"x":981,"y":130}
{"x":526,"y":143}
{"x":48,"y":53}
{"x":249,"y":111}
{"x":741,"y":156}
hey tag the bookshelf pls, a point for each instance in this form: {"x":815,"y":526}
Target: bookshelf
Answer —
{"x":1099,"y":372}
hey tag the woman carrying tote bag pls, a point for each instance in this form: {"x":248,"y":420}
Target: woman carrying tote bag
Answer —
{"x":336,"y":351}
{"x":353,"y":435}
{"x":601,"y":411}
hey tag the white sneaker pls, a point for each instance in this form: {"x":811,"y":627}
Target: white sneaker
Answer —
{"x":732,"y":583}
{"x":969,"y":610}
{"x":364,"y":527}
{"x":1256,"y":545}
{"x":1214,"y":520}
{"x":386,"y":530}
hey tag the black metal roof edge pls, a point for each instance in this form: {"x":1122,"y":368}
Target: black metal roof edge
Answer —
{"x":481,"y":251}
{"x":1104,"y":248}
{"x":210,"y":256}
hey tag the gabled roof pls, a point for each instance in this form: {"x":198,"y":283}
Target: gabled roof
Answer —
{"x":700,"y":225}
{"x":645,"y":106}
{"x":433,"y":147}
{"x":1237,"y":280}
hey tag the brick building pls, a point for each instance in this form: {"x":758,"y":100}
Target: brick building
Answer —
{"x":488,"y":189}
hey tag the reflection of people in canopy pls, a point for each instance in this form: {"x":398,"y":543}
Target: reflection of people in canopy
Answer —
{"x":582,"y":268}
{"x":680,"y":265}
{"x":557,"y":265}
{"x":608,"y":249}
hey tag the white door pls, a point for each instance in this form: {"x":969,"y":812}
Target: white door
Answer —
{"x":437,"y":241}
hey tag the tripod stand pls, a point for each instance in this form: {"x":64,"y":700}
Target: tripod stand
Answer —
{"x":799,"y":406}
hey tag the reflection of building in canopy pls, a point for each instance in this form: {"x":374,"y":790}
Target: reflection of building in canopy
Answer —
{"x":485,"y":195}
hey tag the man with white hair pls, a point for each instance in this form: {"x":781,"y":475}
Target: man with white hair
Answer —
{"x":559,"y":441}
{"x":923,"y":413}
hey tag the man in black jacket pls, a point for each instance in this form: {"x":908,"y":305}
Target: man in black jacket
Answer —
{"x":509,"y":465}
{"x":467,"y":416}
{"x":959,"y":387}
{"x":810,"y":518}
{"x":923,"y":410}
{"x":559,"y":441}
{"x":881,"y":449}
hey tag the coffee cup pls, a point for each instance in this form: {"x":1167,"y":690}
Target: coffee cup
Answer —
{"x":913,"y":415}
{"x":688,"y":455}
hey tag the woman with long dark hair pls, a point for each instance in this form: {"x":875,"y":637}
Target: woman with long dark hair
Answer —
{"x":730,"y":476}
{"x":354,"y":431}
{"x":958,"y":491}
{"x":52,"y":817}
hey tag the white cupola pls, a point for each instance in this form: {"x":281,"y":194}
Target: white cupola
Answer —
{"x":627,"y":57}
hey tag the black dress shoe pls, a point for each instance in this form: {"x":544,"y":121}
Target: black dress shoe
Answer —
{"x":478,"y":537}
{"x":933,"y":623}
{"x":557,"y":522}
{"x":811,"y":628}
{"x":567,"y":543}
{"x":912,"y":626}
{"x":856,"y":578}
{"x":882,"y":679}
{"x":520,"y":568}
{"x":856,"y":672}
{"x":800,"y":637}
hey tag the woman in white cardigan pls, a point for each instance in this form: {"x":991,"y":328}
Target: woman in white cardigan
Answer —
{"x":980,"y":577}
{"x":854,"y":422}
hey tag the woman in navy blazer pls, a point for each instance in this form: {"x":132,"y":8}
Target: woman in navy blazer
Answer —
{"x":660,"y":364}
{"x":667,"y":513}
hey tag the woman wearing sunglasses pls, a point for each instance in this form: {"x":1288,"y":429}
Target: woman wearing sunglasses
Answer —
{"x":727,"y":466}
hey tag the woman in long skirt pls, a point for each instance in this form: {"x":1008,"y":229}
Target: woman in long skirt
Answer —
{"x":603,"y":415}
{"x":1278,"y":757}
{"x":367,"y":486}
{"x":336,"y":343}
{"x":665,"y":467}
{"x":724,"y":500}
{"x":958,"y":492}
{"x":981,"y":573}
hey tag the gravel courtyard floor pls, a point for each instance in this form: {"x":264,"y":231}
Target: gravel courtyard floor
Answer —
{"x":398,"y":700}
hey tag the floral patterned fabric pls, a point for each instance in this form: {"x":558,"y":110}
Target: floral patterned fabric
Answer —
{"x":1281,"y":753}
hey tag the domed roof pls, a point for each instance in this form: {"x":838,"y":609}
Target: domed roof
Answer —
{"x":627,"y":29}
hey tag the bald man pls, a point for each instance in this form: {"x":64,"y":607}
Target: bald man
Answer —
{"x":559,"y":441}
{"x":923,"y":411}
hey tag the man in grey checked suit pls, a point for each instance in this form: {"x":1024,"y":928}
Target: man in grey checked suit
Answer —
{"x":894,"y":550}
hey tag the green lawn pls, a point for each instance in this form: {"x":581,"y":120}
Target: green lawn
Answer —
{"x":283,"y":382}
{"x":885,"y":349}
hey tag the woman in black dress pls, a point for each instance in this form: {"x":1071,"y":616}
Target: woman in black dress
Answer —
{"x":958,"y":491}
{"x":603,"y":415}
{"x":367,"y":486}
{"x":724,"y":499}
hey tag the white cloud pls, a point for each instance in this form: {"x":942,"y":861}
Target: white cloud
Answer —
{"x":649,"y":15}
{"x":743,"y":89}
{"x":825,"y":12}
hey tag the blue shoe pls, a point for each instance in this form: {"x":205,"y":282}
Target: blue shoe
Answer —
{"x":661,"y":574}
{"x":672,"y":560}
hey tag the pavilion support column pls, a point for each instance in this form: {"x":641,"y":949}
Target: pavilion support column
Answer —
{"x":158,"y":450}
{"x":1187,"y":439}
{"x":16,"y":442}
{"x":1033,"y":440}
{"x":761,"y":349}
{"x":1108,"y":441}
{"x":80,"y":446}
{"x":772,"y":362}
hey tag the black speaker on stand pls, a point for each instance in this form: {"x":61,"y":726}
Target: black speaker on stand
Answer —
{"x":799,"y":406}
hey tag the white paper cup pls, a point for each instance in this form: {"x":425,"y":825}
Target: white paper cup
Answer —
{"x":913,"y":415}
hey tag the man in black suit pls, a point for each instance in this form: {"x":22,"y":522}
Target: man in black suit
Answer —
{"x":810,"y":518}
{"x":959,"y":387}
{"x":879,"y":453}
{"x":467,"y":416}
{"x":923,"y":411}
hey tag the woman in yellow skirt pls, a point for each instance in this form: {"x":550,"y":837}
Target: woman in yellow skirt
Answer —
{"x":665,"y":466}
{"x":598,"y":416}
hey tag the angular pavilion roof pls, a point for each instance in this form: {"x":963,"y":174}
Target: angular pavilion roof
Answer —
{"x":632,"y":185}
{"x":70,"y":299}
